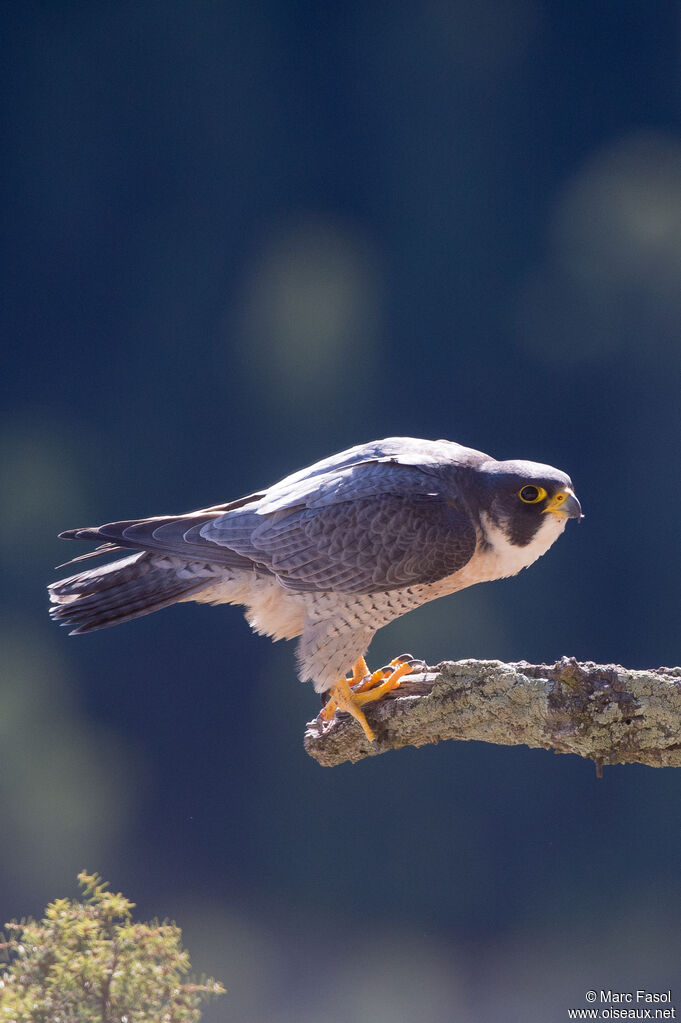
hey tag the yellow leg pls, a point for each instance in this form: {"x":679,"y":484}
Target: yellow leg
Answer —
{"x":342,"y":697}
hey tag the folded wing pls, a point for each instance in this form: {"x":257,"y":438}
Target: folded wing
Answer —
{"x":368,"y":526}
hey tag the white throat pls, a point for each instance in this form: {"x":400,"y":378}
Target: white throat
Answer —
{"x":504,"y":558}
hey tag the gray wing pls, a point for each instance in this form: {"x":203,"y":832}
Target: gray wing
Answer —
{"x":369,"y":527}
{"x":374,"y":518}
{"x":176,"y":535}
{"x":376,"y":467}
{"x":366,"y":546}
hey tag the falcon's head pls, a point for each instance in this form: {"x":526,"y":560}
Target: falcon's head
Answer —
{"x":524,"y":509}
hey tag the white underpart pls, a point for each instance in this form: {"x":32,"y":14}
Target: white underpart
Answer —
{"x":339,"y":629}
{"x":336,"y":628}
{"x":271,"y":610}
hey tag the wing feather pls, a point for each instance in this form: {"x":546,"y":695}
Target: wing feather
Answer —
{"x":375,"y":544}
{"x":374,"y":518}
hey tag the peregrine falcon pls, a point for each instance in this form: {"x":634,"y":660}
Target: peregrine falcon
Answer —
{"x":332,"y":553}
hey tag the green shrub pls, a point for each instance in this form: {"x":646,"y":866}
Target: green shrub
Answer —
{"x":87,"y":962}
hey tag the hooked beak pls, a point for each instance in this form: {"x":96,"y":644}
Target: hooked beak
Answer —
{"x":565,"y":503}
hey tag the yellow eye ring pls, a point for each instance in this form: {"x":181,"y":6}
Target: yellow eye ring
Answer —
{"x":531,"y":494}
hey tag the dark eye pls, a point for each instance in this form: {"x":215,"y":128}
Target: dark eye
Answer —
{"x":531,"y":494}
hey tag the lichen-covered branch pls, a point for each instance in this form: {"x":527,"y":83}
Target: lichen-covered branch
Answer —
{"x":609,"y":714}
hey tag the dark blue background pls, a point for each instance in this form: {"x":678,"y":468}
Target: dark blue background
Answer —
{"x":239,"y":237}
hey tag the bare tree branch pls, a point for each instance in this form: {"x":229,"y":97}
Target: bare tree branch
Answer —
{"x":609,"y":714}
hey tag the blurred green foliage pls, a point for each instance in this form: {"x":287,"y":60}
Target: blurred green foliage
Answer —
{"x":87,"y":962}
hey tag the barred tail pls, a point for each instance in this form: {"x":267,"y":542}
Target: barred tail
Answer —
{"x":125,"y":589}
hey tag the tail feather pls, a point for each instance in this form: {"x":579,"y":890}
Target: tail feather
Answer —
{"x":128,"y":588}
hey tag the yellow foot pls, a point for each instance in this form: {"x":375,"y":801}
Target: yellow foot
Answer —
{"x":365,"y":690}
{"x":368,"y":680}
